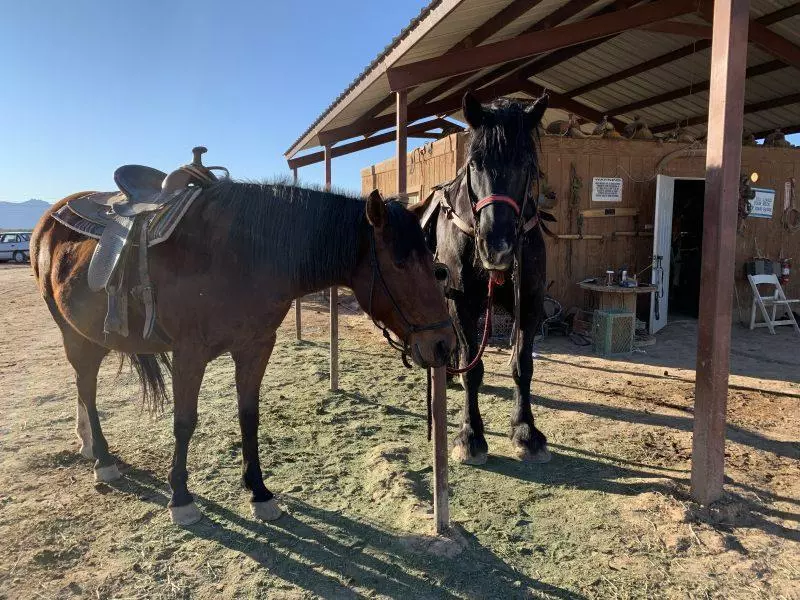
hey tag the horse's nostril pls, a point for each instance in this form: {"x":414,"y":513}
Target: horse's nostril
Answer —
{"x":442,"y":351}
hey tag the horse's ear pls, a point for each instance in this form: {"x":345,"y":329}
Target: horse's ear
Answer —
{"x":473,"y":110}
{"x":376,"y":210}
{"x":535,"y":111}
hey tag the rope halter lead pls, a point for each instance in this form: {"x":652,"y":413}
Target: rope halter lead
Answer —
{"x":402,"y":345}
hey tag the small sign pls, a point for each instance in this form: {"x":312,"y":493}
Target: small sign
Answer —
{"x":606,"y":189}
{"x":761,"y":205}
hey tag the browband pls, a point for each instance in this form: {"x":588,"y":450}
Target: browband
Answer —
{"x":497,"y":198}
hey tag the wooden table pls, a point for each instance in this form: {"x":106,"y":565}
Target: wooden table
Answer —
{"x":617,"y":297}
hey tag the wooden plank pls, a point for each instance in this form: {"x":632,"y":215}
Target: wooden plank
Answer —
{"x":590,"y":213}
{"x":679,"y":28}
{"x":334,"y":299}
{"x":473,"y":59}
{"x":441,"y":505}
{"x":723,"y":161}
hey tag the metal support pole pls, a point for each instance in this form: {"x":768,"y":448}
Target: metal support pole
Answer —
{"x":298,"y":309}
{"x":723,"y":163}
{"x":334,"y":300}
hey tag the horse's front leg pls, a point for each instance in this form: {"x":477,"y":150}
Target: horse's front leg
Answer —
{"x":250,"y":367}
{"x":469,"y":446}
{"x":530,"y":444}
{"x":188,"y":368}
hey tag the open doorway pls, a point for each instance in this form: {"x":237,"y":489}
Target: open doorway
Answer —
{"x":677,"y":248}
{"x":687,"y":247}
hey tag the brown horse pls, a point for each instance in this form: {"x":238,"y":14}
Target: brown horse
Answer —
{"x":225,"y":281}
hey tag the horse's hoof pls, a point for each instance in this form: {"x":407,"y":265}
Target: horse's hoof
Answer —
{"x":542,"y":455}
{"x":86,"y":451}
{"x":106,"y":474}
{"x":266,"y":511}
{"x":188,"y":514}
{"x":461,"y":454}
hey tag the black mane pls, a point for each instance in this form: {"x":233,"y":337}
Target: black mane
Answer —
{"x":503,"y":140}
{"x":307,"y":235}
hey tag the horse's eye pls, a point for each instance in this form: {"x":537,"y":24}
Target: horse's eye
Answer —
{"x":441,"y":272}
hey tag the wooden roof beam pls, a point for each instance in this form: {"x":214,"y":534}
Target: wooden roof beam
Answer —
{"x":474,"y":59}
{"x":787,"y":130}
{"x":748,"y":108}
{"x":682,"y":52}
{"x":500,"y":20}
{"x":766,"y":39}
{"x":696,"y":88}
{"x":417,"y":130}
{"x":679,"y":28}
{"x":568,"y":10}
{"x":564,"y":102}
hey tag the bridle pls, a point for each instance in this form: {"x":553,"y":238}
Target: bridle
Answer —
{"x":477,"y":205}
{"x":496,"y":278}
{"x":402,"y":345}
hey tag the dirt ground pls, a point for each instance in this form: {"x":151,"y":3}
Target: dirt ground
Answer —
{"x":609,"y":517}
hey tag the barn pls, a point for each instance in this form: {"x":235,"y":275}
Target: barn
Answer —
{"x":716,"y":70}
{"x":661,"y":185}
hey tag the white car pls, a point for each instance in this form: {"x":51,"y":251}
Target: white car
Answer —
{"x":15,"y":245}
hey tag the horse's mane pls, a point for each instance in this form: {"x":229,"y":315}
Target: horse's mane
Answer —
{"x":308,"y":235}
{"x":502,"y":140}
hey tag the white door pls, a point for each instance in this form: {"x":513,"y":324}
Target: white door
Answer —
{"x":662,"y":247}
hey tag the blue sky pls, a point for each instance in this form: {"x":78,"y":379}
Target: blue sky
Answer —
{"x":90,"y":85}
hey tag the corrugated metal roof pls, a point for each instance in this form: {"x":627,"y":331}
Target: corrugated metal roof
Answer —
{"x":445,"y":23}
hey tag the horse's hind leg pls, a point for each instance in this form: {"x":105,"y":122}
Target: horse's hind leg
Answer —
{"x":250,"y":367}
{"x":85,"y":357}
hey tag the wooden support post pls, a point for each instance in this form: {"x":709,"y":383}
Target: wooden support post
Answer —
{"x":402,"y":142}
{"x":441,"y":509}
{"x":298,"y":309}
{"x":334,"y":300}
{"x":723,"y":162}
{"x":441,"y":504}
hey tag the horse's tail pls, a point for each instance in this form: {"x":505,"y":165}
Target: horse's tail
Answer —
{"x":150,"y":369}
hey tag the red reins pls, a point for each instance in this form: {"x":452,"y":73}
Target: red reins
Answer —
{"x":495,"y":278}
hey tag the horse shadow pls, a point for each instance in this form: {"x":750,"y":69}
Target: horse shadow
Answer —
{"x":332,"y":555}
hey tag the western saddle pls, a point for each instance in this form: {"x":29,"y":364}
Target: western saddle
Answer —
{"x":143,"y":213}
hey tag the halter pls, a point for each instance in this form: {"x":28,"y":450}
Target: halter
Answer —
{"x":401,"y":346}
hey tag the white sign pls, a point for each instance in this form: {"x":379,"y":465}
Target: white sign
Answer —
{"x":761,"y":205}
{"x":606,"y":189}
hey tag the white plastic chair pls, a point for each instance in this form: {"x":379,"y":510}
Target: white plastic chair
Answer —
{"x":777,"y":299}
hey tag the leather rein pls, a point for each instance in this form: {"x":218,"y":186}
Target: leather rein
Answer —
{"x":402,"y":345}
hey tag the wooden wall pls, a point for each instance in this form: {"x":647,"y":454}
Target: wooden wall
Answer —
{"x":570,"y":261}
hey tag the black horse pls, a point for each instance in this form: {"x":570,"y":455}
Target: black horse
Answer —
{"x":482,"y":224}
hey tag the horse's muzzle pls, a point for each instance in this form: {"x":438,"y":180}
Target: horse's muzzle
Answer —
{"x":495,"y":257}
{"x":433,"y":352}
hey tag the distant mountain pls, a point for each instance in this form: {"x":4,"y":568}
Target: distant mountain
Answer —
{"x":21,"y":215}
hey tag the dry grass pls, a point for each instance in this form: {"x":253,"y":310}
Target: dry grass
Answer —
{"x":609,"y":517}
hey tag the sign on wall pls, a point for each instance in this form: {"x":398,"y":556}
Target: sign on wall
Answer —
{"x":606,"y":189}
{"x":761,"y":206}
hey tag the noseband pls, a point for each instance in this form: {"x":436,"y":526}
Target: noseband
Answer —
{"x":401,"y":346}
